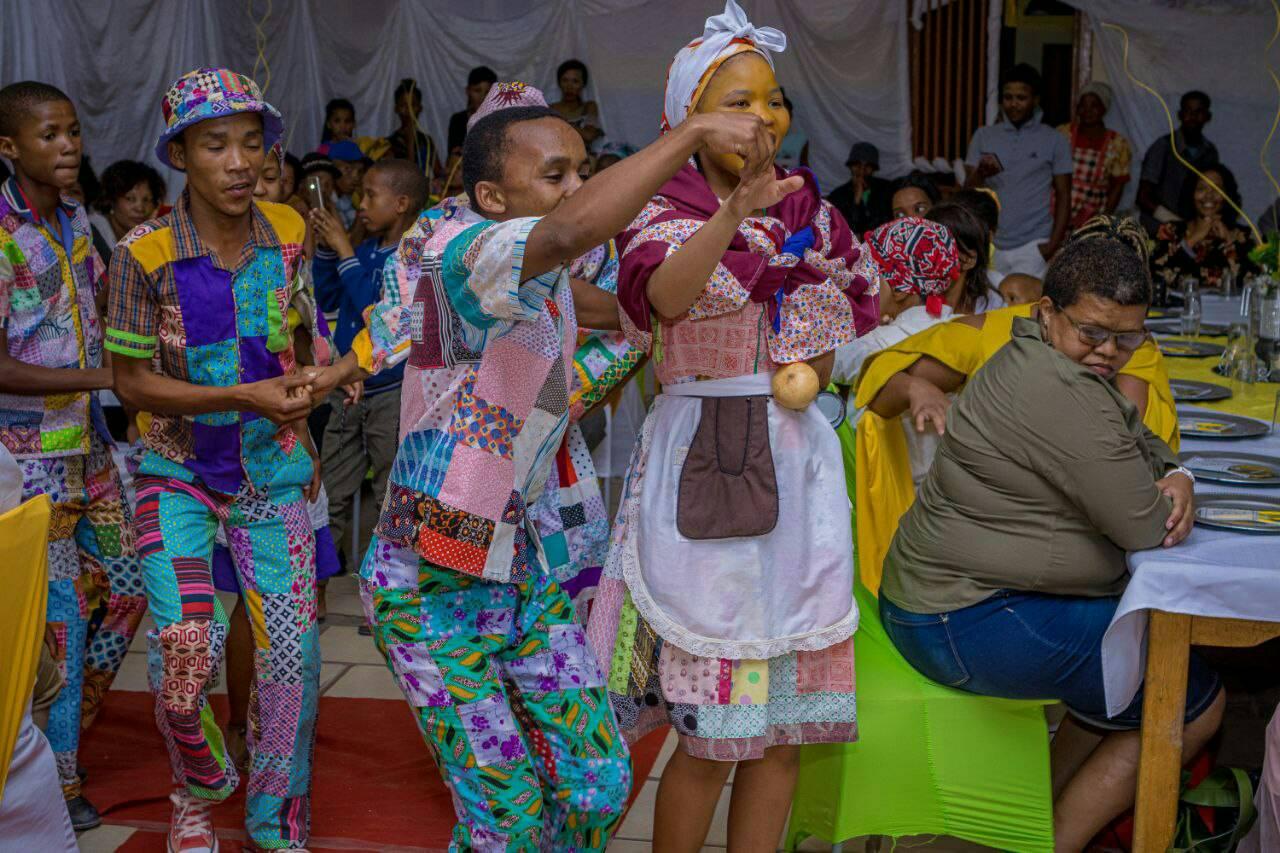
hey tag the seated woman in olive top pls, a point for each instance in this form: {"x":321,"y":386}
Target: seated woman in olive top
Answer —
{"x":1008,"y":567}
{"x":908,"y":387}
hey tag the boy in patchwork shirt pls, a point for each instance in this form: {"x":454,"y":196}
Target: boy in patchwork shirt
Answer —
{"x":198,"y":321}
{"x":51,"y":368}
{"x":455,"y":583}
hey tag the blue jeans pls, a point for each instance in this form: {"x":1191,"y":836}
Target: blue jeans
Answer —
{"x":1021,"y":645}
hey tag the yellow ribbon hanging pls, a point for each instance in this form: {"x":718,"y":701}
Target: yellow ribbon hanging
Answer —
{"x":260,"y":42}
{"x":1262,"y":155}
{"x":1257,"y":235}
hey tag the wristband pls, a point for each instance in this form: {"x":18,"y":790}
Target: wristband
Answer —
{"x":1180,"y":469}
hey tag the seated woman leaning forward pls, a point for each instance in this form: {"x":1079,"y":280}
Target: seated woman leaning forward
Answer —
{"x":1007,"y":569}
{"x":906,"y":389}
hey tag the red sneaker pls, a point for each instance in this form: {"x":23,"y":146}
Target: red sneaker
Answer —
{"x":191,"y":827}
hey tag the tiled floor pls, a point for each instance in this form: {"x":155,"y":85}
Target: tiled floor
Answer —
{"x":353,"y":668}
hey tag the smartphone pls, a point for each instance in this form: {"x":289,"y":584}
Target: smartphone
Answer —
{"x":313,"y":193}
{"x":992,"y":160}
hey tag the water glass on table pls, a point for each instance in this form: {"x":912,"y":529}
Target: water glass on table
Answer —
{"x":1192,"y":309}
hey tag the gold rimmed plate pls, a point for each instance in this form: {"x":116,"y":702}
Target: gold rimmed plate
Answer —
{"x":1192,"y":391}
{"x":1236,"y":469}
{"x":1173,"y":326}
{"x":1243,"y":514}
{"x":1198,"y":423}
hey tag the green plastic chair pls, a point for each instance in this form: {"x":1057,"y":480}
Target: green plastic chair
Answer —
{"x":930,"y":760}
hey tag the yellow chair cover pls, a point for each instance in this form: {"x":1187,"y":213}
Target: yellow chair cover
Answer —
{"x":24,"y":579}
{"x":884,"y":490}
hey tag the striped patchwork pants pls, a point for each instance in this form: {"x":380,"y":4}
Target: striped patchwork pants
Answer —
{"x":95,"y":589}
{"x":273,"y":548}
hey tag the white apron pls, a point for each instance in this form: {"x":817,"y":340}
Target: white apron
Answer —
{"x":751,"y":597}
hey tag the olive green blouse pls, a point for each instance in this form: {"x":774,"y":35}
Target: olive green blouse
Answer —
{"x":1044,"y":479}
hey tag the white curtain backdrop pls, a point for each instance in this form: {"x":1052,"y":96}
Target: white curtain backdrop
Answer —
{"x":1218,"y":46}
{"x":845,"y":69}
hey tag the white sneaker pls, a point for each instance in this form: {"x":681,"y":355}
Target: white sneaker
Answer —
{"x":191,"y":828}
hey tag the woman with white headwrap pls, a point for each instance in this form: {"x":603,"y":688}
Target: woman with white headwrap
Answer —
{"x":726,"y":605}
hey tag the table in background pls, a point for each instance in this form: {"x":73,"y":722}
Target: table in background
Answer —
{"x":1217,"y":588}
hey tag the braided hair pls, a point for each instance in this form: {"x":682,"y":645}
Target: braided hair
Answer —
{"x":1106,"y":257}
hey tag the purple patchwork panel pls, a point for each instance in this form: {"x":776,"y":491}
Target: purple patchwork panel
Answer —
{"x":216,"y":457}
{"x":256,"y":361}
{"x":565,"y":663}
{"x":418,"y":675}
{"x":492,"y":731}
{"x":208,"y":303}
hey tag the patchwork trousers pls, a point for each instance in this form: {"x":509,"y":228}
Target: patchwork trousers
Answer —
{"x":95,"y":589}
{"x":509,"y":699}
{"x":273,"y":548}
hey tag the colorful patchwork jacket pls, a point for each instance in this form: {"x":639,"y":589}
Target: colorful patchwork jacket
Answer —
{"x":485,"y":399}
{"x":203,"y":323}
{"x":47,"y":291}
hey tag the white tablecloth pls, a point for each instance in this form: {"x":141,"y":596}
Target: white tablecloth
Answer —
{"x":1212,"y":573}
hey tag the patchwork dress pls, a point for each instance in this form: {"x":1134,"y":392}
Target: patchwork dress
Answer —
{"x":740,"y":643}
{"x":48,"y":286}
{"x":456,"y":583}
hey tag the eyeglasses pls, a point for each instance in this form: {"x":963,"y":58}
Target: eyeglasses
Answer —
{"x":1096,"y":336}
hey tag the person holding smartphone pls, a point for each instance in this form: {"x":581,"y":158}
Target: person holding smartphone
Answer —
{"x":1028,"y":164}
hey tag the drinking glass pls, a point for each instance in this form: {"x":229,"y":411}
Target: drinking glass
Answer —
{"x":1192,"y":309}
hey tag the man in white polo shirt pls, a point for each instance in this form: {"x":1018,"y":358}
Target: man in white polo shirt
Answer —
{"x":1028,"y":164}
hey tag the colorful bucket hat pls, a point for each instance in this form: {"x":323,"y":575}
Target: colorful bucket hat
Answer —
{"x":208,"y":93}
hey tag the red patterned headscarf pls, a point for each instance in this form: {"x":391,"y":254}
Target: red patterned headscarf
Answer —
{"x":916,"y":256}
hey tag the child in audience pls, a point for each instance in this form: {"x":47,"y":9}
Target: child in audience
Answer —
{"x":455,"y":584}
{"x":971,"y":292}
{"x":408,"y":141}
{"x":52,"y":290}
{"x":291,"y":180}
{"x":1020,"y":289}
{"x":349,"y":160}
{"x":363,"y":435}
{"x":339,"y":123}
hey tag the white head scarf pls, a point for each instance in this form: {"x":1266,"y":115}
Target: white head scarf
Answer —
{"x":726,"y":35}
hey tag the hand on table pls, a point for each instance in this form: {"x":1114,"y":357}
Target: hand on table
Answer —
{"x":1178,"y":488}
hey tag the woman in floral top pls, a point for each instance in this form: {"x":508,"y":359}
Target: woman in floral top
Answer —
{"x":1207,"y":242}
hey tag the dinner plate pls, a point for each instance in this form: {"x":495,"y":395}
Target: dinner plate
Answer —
{"x":1237,"y":469}
{"x":1243,"y":514}
{"x":1202,"y":423}
{"x":1191,"y":391}
{"x":1184,"y":348}
{"x":1173,"y":326}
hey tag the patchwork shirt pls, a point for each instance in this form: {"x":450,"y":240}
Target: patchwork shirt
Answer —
{"x":47,"y":291}
{"x":478,"y":435}
{"x":173,"y":302}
